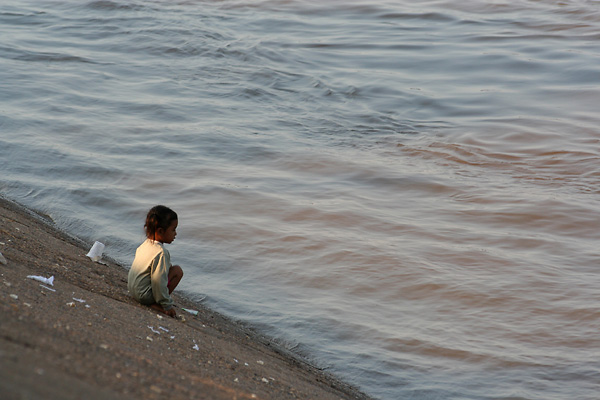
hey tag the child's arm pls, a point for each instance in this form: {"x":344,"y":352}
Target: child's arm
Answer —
{"x":160,"y":280}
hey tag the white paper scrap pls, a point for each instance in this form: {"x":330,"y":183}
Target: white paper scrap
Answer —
{"x":196,"y":347}
{"x":47,"y":281}
{"x":193,"y":312}
{"x":79,"y":300}
{"x":95,"y":252}
{"x":3,"y":260}
{"x":153,"y":330}
{"x":164,"y":329}
{"x":46,"y":287}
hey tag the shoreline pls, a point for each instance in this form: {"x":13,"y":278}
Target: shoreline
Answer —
{"x":84,"y":336}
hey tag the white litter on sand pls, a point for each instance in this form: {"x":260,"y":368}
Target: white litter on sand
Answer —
{"x":47,"y":281}
{"x":154,"y":330}
{"x":95,"y":252}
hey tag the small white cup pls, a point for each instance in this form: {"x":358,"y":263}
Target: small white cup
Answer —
{"x":96,"y":252}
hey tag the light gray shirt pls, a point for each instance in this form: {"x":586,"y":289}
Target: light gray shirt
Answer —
{"x":149,"y":275}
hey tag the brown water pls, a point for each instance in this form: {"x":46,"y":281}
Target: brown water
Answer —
{"x":405,"y":193}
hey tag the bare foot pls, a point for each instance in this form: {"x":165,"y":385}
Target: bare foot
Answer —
{"x":171,"y":312}
{"x":158,"y":308}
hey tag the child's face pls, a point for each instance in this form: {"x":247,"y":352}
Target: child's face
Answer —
{"x":167,"y":235}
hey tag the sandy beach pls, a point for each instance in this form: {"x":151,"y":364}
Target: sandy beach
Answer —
{"x":84,"y":337}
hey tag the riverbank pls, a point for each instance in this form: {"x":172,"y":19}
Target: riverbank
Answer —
{"x":83,"y":336}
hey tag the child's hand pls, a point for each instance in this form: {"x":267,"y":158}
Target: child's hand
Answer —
{"x":171,"y":312}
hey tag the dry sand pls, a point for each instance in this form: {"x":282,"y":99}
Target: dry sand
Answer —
{"x":85,"y":338}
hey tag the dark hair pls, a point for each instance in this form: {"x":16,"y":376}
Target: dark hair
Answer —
{"x":158,"y":217}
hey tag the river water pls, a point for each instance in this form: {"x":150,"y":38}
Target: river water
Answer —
{"x":403,"y":192}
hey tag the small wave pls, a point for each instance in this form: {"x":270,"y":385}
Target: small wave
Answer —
{"x":35,"y":56}
{"x":466,"y":353}
{"x":431,"y":16}
{"x":112,"y":5}
{"x":19,"y":15}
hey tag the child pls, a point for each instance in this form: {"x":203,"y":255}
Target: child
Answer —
{"x":152,"y":278}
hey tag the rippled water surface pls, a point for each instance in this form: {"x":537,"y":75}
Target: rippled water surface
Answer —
{"x":405,"y":193}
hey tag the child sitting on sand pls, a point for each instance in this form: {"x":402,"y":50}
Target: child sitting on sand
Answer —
{"x":152,"y":278}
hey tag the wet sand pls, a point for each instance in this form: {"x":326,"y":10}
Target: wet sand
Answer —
{"x":84,"y":337}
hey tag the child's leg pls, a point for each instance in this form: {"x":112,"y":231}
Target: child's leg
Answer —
{"x":175,"y":275}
